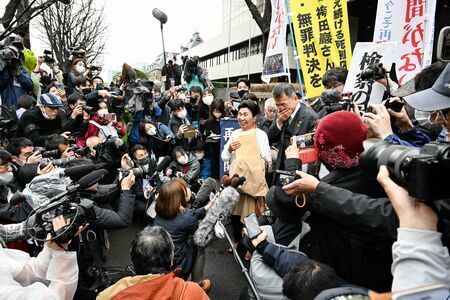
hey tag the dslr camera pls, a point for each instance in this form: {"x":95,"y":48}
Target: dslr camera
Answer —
{"x":422,"y":171}
{"x":48,"y":59}
{"x":285,"y":177}
{"x":373,"y":72}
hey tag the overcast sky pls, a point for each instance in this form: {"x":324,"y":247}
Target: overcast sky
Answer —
{"x":134,"y":34}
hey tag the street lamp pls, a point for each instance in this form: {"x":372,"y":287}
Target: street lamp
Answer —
{"x":162,"y":18}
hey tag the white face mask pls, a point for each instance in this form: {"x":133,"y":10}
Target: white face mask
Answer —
{"x":6,"y":178}
{"x":80,"y":69}
{"x":102,"y":112}
{"x":182,"y":97}
{"x":151,"y":131}
{"x":183,"y":160}
{"x":199,"y":155}
{"x":208,"y":100}
{"x":182,"y":114}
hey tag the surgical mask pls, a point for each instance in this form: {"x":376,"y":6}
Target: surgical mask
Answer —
{"x":6,"y":178}
{"x":183,"y":160}
{"x":102,"y":112}
{"x":144,"y":161}
{"x":208,"y":100}
{"x":86,"y":91}
{"x":199,"y":155}
{"x":182,"y":97}
{"x":182,"y":114}
{"x":151,"y":131}
{"x":217,"y":115}
{"x":241,"y":93}
{"x":80,"y":69}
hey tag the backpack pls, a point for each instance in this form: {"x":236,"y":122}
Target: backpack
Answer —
{"x":105,"y":131}
{"x":267,"y":282}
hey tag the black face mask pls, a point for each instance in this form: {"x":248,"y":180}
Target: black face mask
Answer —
{"x":241,"y":93}
{"x":193,"y":99}
{"x":86,"y":91}
{"x":144,"y":161}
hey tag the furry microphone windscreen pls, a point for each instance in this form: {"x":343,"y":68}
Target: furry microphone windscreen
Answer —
{"x":224,"y":205}
{"x":202,"y":197}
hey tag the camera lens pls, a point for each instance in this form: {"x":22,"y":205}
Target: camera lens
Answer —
{"x":396,"y":158}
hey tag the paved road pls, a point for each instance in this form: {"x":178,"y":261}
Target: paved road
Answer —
{"x":221,"y":268}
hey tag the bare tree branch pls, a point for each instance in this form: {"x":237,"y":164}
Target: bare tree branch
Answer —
{"x":79,"y":23}
{"x":262,"y":20}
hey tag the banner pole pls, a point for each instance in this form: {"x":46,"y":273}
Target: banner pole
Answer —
{"x":294,"y":46}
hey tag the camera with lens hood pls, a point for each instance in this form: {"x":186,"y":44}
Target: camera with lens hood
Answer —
{"x":422,"y":171}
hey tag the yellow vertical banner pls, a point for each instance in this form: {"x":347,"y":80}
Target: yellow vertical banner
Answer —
{"x":322,"y":37}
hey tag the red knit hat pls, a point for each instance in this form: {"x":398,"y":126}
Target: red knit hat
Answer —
{"x":339,"y":139}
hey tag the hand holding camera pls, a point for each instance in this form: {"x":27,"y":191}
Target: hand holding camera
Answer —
{"x":306,"y":184}
{"x":77,"y":111}
{"x":34,"y":158}
{"x":396,"y":109}
{"x":128,"y":181}
{"x":380,"y":122}
{"x":411,"y":212}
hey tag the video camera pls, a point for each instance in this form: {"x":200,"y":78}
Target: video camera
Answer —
{"x":422,"y":171}
{"x":66,"y":204}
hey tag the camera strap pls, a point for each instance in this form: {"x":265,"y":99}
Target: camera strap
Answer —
{"x":280,"y":153}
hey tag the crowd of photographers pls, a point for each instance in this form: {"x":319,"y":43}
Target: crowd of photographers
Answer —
{"x":82,"y":156}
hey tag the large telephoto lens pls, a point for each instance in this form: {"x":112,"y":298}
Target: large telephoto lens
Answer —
{"x":395,"y":157}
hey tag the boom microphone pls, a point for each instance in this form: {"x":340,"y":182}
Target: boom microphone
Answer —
{"x":202,"y":197}
{"x":92,"y":178}
{"x":75,"y":173}
{"x":158,"y":14}
{"x":223,"y":206}
{"x":164,"y":164}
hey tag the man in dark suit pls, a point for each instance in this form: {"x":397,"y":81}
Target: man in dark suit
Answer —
{"x":294,"y":118}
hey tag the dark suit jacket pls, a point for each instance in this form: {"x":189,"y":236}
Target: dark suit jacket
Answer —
{"x":303,"y":122}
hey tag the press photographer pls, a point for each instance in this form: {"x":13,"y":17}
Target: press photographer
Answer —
{"x":15,"y":80}
{"x":53,"y":274}
{"x":41,"y":121}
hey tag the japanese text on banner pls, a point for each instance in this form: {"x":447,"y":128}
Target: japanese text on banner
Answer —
{"x":322,"y":37}
{"x":275,"y":60}
{"x":411,"y":24}
{"x":227,"y":126}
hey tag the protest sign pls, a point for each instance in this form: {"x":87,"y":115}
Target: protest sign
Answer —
{"x":323,"y":39}
{"x":275,"y":60}
{"x":365,"y":55}
{"x":227,"y":126}
{"x":410,"y":23}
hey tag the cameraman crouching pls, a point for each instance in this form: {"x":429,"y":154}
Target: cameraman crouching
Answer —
{"x":52,"y":274}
